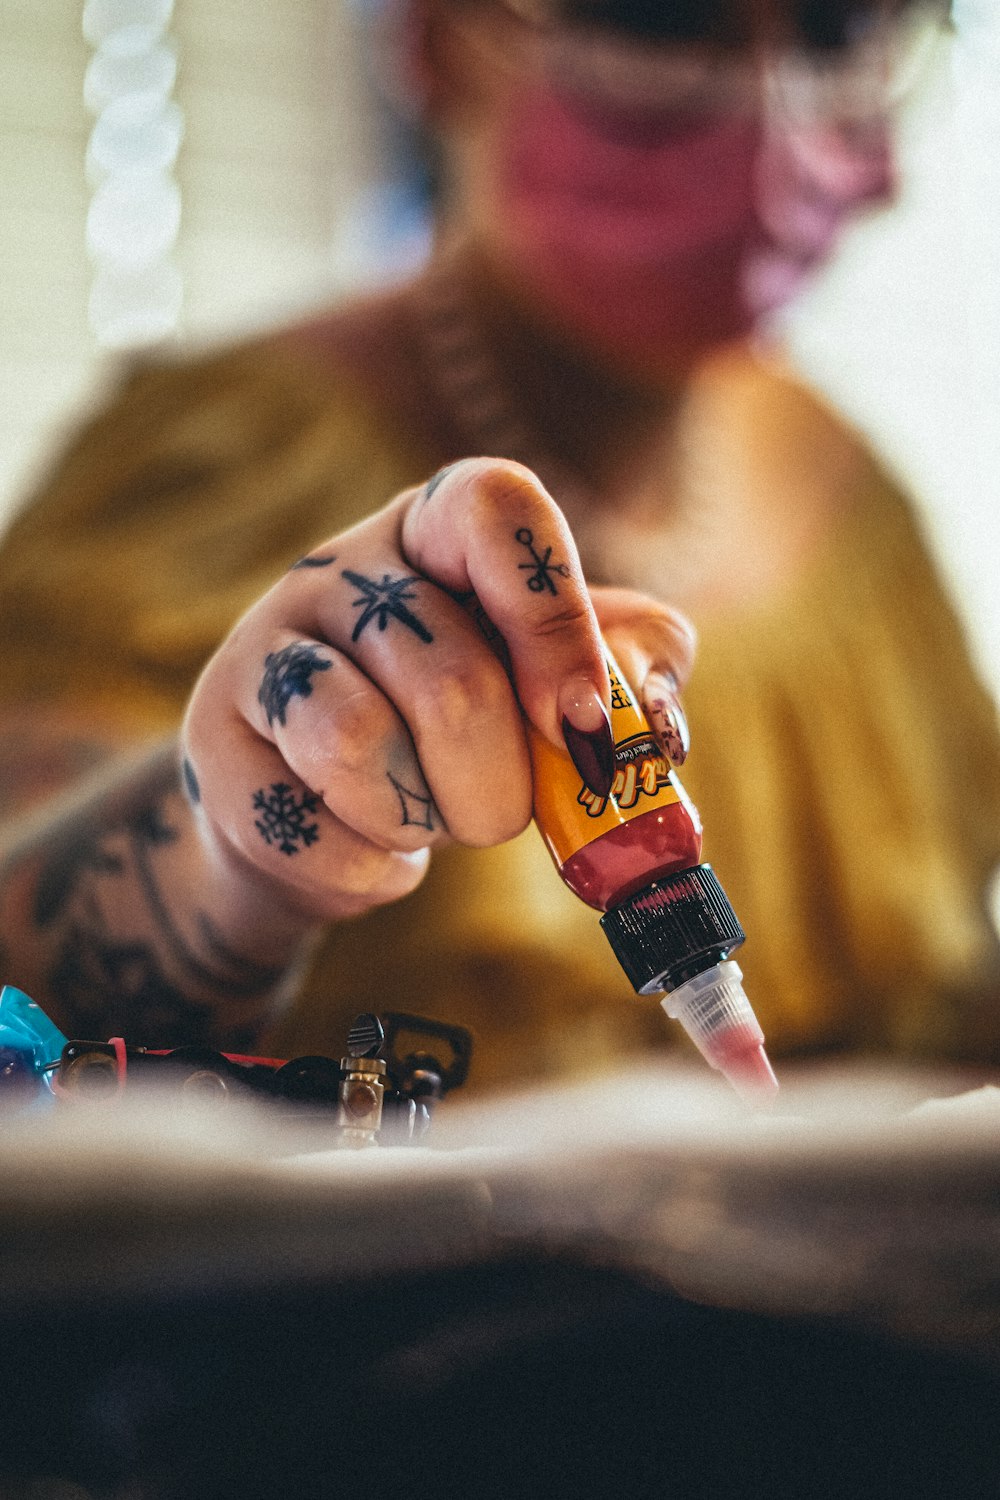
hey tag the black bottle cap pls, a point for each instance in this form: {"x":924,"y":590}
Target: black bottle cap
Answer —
{"x":673,"y":929}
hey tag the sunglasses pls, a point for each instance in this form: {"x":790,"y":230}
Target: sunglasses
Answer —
{"x":815,"y":25}
{"x":848,"y":62}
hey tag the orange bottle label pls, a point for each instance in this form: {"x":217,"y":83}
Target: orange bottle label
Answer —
{"x":568,"y":813}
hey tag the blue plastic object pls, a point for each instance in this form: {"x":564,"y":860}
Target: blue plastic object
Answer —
{"x":29,"y":1043}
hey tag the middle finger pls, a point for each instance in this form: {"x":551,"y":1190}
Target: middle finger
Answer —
{"x":418,"y":646}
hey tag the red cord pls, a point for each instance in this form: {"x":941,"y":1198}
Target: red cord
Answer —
{"x":121,"y":1061}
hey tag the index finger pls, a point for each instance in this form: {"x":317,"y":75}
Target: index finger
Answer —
{"x":645,"y":636}
{"x":490,"y":527}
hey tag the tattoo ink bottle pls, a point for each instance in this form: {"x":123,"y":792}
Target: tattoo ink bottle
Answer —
{"x":634,"y":855}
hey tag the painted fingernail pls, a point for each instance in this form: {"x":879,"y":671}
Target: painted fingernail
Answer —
{"x":667,"y":719}
{"x":586,"y":730}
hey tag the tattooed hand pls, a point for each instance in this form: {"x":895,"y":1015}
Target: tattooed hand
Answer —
{"x":360,"y":714}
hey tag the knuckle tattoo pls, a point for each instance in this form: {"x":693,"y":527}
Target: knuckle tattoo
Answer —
{"x":190,"y":780}
{"x":416,"y":805}
{"x":438,"y":478}
{"x":541,"y":570}
{"x":288,"y":674}
{"x":284,"y":822}
{"x":381,"y":600}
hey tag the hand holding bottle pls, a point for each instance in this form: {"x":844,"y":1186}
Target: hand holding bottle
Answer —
{"x":358,"y":716}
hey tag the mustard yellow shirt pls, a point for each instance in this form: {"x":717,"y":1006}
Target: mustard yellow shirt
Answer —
{"x":846,"y":759}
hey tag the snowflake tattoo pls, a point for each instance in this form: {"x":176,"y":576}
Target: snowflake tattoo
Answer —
{"x":417,"y":807}
{"x":283,"y":819}
{"x":286,"y":676}
{"x":380,"y":600}
{"x":540,"y":568}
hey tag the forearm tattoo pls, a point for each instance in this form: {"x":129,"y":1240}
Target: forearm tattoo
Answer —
{"x":540,"y":570}
{"x":287,"y":675}
{"x":313,"y":562}
{"x":383,"y":600}
{"x":123,"y":958}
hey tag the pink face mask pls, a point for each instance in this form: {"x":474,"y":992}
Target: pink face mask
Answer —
{"x":658,"y":235}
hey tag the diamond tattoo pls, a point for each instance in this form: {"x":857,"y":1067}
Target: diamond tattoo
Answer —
{"x":417,"y":807}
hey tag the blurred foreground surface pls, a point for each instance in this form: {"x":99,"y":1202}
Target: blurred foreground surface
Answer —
{"x":635,"y":1286}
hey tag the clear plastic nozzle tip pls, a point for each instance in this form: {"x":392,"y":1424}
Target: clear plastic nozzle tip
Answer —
{"x":717,"y":1016}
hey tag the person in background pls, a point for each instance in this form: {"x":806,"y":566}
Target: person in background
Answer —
{"x":269,"y":551}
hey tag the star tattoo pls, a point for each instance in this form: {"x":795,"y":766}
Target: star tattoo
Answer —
{"x":379,"y":601}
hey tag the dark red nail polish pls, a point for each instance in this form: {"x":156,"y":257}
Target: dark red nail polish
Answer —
{"x":593,"y":753}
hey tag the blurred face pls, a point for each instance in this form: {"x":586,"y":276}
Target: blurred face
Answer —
{"x":653,"y":196}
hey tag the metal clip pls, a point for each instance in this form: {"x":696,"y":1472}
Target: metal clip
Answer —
{"x":359,"y":1115}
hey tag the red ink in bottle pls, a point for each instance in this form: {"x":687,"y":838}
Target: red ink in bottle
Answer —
{"x":634,"y":855}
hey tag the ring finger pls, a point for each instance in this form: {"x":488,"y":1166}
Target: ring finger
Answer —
{"x":341,"y":735}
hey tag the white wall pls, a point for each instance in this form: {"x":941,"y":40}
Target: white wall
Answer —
{"x":278,"y":141}
{"x":904,"y":330}
{"x":44,"y":338}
